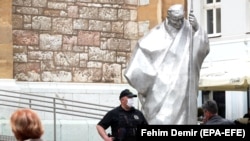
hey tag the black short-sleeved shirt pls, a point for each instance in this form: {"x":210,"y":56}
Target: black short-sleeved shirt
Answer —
{"x":123,"y":123}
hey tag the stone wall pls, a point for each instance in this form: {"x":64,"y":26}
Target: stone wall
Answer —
{"x":73,"y":40}
{"x":88,"y":41}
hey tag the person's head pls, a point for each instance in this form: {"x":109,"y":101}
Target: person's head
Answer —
{"x":210,"y":109}
{"x":26,"y":124}
{"x":176,"y":16}
{"x":126,"y":98}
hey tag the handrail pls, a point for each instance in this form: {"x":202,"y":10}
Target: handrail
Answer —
{"x":7,"y":138}
{"x":53,"y":105}
{"x":87,"y":106}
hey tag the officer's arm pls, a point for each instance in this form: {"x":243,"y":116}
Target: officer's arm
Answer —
{"x":102,"y":133}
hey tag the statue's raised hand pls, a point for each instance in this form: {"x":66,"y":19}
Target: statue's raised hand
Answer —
{"x":193,"y":21}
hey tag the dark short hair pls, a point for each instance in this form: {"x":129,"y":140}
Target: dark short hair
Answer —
{"x":211,"y":106}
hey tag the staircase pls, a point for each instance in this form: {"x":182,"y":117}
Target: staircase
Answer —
{"x":71,"y":113}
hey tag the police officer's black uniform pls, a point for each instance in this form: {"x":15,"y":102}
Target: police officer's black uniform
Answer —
{"x":123,"y":123}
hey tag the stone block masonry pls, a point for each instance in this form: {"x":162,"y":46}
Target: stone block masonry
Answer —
{"x":87,"y":41}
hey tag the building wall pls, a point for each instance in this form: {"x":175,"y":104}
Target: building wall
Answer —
{"x":234,"y":40}
{"x":167,"y":3}
{"x":6,"y":49}
{"x":233,"y":44}
{"x":239,"y":21}
{"x":74,"y":41}
{"x":156,"y":10}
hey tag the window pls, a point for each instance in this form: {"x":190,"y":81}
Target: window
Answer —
{"x":206,"y":95}
{"x":213,"y":17}
{"x":219,"y":97}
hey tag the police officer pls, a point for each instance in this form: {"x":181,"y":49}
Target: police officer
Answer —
{"x":123,"y":120}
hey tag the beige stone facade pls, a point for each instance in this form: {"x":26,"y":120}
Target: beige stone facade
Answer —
{"x":87,"y":41}
{"x":156,"y":10}
{"x":6,"y":49}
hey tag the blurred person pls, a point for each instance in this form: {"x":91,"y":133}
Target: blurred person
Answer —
{"x":211,"y":117}
{"x":247,"y":115}
{"x":26,"y":125}
{"x":245,"y":120}
{"x":123,"y":120}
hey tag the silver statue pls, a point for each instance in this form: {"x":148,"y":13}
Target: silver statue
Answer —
{"x":165,"y":68}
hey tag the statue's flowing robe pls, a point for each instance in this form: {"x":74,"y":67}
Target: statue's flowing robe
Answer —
{"x":165,"y":72}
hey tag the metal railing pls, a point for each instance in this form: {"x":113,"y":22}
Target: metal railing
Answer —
{"x":7,"y":138}
{"x":53,"y":105}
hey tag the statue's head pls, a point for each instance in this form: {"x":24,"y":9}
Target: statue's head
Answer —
{"x":176,"y":16}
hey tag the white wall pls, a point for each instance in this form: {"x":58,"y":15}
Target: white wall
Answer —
{"x":248,"y":15}
{"x":233,"y":14}
{"x":228,"y":50}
